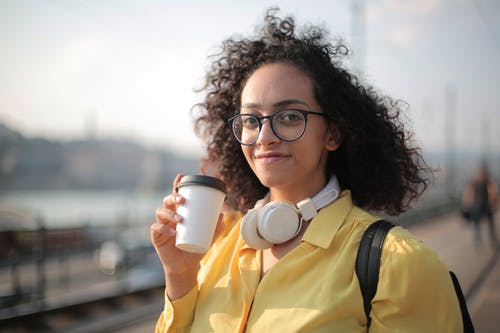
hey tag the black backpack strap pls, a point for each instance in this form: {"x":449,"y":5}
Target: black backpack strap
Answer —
{"x":368,"y":267}
{"x":467,"y":321}
{"x":368,"y":261}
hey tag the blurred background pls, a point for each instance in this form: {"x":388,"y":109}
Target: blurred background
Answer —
{"x":95,"y":100}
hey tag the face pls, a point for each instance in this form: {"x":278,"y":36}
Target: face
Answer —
{"x":286,"y":165}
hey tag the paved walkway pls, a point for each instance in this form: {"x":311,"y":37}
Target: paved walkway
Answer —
{"x":477,"y":267}
{"x":485,"y":310}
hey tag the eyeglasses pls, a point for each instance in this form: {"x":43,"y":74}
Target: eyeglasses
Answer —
{"x":287,"y":125}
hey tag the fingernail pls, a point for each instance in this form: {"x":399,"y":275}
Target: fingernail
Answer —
{"x":178,"y":198}
{"x":177,"y":218}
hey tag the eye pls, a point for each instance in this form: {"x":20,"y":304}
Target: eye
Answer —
{"x":290,"y":117}
{"x":249,"y":122}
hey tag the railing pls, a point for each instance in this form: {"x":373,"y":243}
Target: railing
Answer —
{"x":42,"y":268}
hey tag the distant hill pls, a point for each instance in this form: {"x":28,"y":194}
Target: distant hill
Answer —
{"x":37,"y":163}
{"x":7,"y":134}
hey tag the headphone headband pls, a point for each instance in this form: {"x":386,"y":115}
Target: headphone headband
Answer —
{"x":309,"y":207}
{"x":328,"y":194}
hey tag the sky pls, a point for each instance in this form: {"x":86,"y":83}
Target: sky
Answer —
{"x":129,"y":68}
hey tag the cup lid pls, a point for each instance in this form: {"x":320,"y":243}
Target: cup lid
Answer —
{"x":204,"y":181}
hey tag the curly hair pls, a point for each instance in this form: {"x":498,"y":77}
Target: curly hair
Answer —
{"x":375,"y":159}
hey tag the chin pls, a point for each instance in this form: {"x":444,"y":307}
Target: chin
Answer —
{"x":273,"y":179}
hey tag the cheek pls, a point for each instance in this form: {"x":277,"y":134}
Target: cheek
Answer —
{"x":314,"y":146}
{"x":247,"y":152}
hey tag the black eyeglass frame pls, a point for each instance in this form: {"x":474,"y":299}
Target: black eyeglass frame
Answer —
{"x":305,"y":113}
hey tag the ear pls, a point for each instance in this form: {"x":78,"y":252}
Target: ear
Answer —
{"x":333,"y":139}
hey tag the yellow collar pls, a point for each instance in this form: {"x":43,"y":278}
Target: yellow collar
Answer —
{"x":325,"y":225}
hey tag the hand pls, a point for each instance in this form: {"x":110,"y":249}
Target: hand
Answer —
{"x":163,"y":234}
{"x":180,"y":267}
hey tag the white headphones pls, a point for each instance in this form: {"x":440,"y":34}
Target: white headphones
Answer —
{"x":276,"y":222}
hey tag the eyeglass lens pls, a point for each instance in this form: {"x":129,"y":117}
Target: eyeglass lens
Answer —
{"x":286,"y":125}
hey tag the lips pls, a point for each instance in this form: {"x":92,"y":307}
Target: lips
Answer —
{"x":270,"y":157}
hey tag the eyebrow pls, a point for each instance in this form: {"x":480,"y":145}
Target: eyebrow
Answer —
{"x":283,"y":103}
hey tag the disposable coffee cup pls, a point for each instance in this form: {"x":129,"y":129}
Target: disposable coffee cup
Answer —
{"x":204,"y":198}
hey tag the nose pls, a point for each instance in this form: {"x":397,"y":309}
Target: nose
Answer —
{"x":266,"y":134}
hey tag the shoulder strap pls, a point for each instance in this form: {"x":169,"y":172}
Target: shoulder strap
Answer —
{"x":368,"y":266}
{"x":466,"y":320}
{"x":368,"y":260}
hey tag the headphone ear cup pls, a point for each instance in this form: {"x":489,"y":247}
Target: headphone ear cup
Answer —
{"x":278,"y":222}
{"x":249,"y":233}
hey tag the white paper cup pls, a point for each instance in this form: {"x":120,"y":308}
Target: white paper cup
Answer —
{"x":204,"y":197}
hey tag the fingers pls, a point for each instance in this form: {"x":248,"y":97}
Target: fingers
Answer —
{"x":162,"y":229}
{"x":173,"y":199}
{"x":176,"y":181}
{"x":167,"y":216}
{"x":161,"y":234}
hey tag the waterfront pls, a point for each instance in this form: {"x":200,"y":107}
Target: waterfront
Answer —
{"x":70,"y":208}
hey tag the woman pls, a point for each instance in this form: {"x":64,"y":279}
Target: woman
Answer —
{"x":281,"y":120}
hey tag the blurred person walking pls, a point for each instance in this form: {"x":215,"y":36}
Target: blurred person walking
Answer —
{"x":480,"y":199}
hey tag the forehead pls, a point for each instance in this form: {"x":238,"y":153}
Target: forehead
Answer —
{"x":272,"y":83}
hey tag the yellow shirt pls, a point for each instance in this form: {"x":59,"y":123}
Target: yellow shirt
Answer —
{"x":314,"y":287}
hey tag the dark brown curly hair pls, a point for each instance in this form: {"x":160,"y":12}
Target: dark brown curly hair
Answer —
{"x":375,"y":160}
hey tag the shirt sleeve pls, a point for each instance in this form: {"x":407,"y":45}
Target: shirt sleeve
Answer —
{"x":177,"y":316}
{"x":415,"y":292}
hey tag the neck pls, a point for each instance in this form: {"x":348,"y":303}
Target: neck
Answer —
{"x":295,"y":192}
